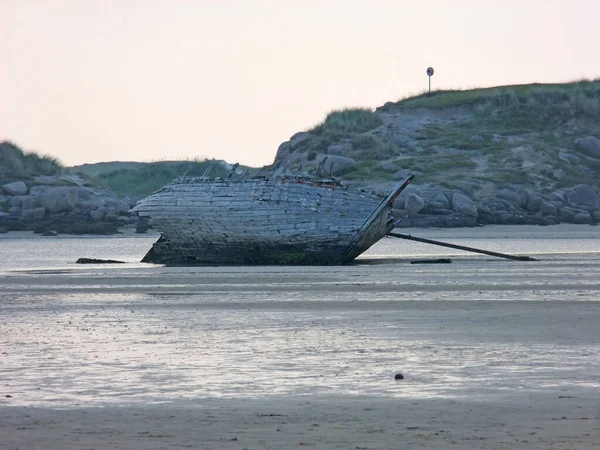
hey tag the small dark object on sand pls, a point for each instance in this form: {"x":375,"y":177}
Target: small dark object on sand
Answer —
{"x":97,"y":261}
{"x":399,"y":376}
{"x":432,"y":261}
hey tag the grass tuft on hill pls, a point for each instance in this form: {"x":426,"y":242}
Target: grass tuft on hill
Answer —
{"x":17,"y":164}
{"x":578,"y":98}
{"x":348,"y":120}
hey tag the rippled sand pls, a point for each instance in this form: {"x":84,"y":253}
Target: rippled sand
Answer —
{"x":495,"y":354}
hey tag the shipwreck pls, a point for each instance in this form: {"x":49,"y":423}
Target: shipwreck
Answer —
{"x":265,"y":220}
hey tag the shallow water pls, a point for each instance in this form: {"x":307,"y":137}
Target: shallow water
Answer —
{"x":137,"y":333}
{"x":27,"y":251}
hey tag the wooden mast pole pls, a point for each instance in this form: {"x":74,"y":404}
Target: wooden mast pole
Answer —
{"x":461,"y":247}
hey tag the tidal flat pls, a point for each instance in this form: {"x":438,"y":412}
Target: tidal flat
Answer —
{"x":495,"y":353}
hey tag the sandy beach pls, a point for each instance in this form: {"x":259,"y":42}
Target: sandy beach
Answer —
{"x":327,"y":422}
{"x":495,"y":355}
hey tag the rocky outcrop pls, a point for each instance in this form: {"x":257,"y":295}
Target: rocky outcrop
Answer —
{"x":283,"y":151}
{"x":297,"y":139}
{"x":413,"y":204}
{"x":442,"y":207}
{"x":58,"y":199}
{"x":463,"y":205}
{"x":335,"y":165}
{"x":548,"y":209}
{"x":589,"y":145}
{"x":339,"y":149}
{"x":503,"y":156}
{"x":15,"y":188}
{"x":63,"y":204}
{"x":583,"y":195}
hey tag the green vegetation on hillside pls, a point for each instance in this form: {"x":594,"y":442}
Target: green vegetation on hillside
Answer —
{"x":581,"y":96}
{"x":515,"y":109}
{"x":520,"y":134}
{"x":95,"y":169}
{"x":349,"y":120}
{"x":144,"y":178}
{"x":17,"y":164}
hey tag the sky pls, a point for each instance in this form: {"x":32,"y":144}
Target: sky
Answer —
{"x":146,"y":80}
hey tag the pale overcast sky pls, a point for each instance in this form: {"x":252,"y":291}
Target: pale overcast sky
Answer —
{"x":103,"y":80}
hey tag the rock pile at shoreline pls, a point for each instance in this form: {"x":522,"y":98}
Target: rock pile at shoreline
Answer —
{"x":61,"y":204}
{"x":434,"y":206}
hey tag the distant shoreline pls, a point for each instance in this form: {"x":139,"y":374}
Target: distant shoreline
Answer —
{"x":128,"y":231}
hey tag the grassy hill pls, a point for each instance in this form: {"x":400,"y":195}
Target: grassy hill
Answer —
{"x":139,"y":179}
{"x":524,"y":134}
{"x":18,"y":164}
{"x":127,"y":179}
{"x":95,"y":169}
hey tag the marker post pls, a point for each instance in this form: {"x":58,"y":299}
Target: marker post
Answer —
{"x":429,"y":74}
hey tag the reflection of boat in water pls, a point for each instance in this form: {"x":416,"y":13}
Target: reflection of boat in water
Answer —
{"x":279,"y":220}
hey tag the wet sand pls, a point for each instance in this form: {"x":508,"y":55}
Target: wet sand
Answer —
{"x":329,"y":422}
{"x":495,"y":354}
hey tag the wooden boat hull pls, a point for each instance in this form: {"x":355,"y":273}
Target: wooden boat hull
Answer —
{"x":263,"y":221}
